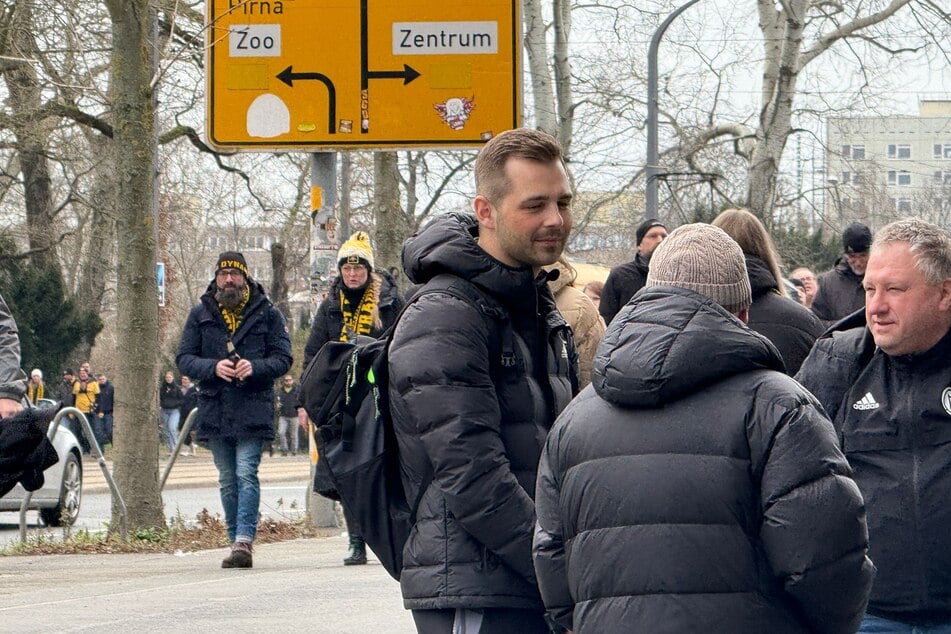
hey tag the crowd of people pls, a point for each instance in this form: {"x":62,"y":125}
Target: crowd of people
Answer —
{"x":698,"y":444}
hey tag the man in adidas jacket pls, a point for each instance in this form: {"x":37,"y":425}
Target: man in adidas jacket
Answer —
{"x":471,"y":414}
{"x":885,"y":384}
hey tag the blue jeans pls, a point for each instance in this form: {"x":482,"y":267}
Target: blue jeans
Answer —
{"x":878,"y":625}
{"x":170,"y":426}
{"x":237,"y":462}
{"x":107,"y":426}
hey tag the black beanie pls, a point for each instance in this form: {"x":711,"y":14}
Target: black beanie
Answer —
{"x":857,"y":238}
{"x":232,"y":260}
{"x":646,"y":226}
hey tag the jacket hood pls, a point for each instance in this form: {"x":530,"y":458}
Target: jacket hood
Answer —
{"x":564,"y":277}
{"x":448,"y":245}
{"x":762,"y":280}
{"x":668,"y":342}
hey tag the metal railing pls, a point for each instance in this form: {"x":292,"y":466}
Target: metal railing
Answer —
{"x":182,"y":435}
{"x":100,"y":460}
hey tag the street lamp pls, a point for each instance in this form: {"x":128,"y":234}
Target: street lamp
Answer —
{"x":652,"y":153}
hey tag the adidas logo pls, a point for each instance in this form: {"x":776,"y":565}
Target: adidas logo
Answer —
{"x":866,"y":402}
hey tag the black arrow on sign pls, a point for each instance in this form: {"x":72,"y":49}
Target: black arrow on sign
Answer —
{"x":408,"y":74}
{"x":288,"y":76}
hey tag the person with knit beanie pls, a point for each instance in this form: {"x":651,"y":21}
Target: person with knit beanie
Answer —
{"x":235,"y":344}
{"x":361,"y":302}
{"x":694,"y":486}
{"x":628,"y":278}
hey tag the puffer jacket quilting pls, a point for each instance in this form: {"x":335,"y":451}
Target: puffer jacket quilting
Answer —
{"x":479,"y":435}
{"x":696,"y":486}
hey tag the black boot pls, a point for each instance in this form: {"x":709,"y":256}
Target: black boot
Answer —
{"x":358,"y":552}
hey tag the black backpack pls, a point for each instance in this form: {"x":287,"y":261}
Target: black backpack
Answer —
{"x":345,"y":390}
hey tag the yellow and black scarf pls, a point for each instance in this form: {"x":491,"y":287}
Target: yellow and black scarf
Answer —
{"x":366,"y":317}
{"x":233,"y":317}
{"x":35,"y":391}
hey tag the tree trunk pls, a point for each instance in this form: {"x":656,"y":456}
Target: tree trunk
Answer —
{"x":562,"y":27}
{"x":278,"y":290}
{"x":346,"y":185}
{"x":536,"y":47}
{"x":388,"y":214}
{"x":31,"y":135}
{"x":136,"y":464}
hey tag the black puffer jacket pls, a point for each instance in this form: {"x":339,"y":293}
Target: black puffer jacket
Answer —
{"x":479,"y":432}
{"x":622,"y":283}
{"x":894,"y":423}
{"x":697,"y":497}
{"x":791,"y":327}
{"x":328,"y":322}
{"x":228,"y":409}
{"x":840,"y":293}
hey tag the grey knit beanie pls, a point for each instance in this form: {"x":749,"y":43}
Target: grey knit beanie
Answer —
{"x":704,"y":259}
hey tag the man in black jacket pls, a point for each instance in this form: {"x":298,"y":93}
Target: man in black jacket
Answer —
{"x":474,"y":391}
{"x":628,"y":278}
{"x":235,"y":345}
{"x":883,"y":377}
{"x":840,"y":289}
{"x":694,"y":487}
{"x":105,"y":406}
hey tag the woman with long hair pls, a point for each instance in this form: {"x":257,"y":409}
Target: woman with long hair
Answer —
{"x":791,"y":327}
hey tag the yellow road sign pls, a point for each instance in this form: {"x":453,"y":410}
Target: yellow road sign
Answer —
{"x":324,"y":74}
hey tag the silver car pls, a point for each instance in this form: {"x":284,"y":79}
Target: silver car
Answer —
{"x":59,"y":499}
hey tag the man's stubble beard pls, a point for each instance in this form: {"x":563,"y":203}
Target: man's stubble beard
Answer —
{"x":231,"y":298}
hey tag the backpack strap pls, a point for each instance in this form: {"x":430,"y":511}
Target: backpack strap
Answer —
{"x":501,"y":341}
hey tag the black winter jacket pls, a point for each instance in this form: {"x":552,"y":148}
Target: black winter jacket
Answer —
{"x":480,"y":433}
{"x":697,"y":497}
{"x":328,"y":322}
{"x":227,"y":409}
{"x":622,"y":283}
{"x":791,"y":327}
{"x":893,"y":417}
{"x":840,"y":293}
{"x":288,"y":401}
{"x":170,"y":395}
{"x":105,"y":402}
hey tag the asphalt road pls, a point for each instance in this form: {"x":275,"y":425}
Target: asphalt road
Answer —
{"x":295,"y":586}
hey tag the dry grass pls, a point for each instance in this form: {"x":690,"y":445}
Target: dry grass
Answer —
{"x":206,"y":532}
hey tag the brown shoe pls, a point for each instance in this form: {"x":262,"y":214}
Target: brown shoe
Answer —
{"x":240,"y":556}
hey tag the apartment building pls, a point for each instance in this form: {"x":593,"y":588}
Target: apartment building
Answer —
{"x":879,"y":169}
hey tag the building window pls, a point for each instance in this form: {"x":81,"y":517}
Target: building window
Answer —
{"x":942,"y":150}
{"x":903,"y":205}
{"x":854,"y":152}
{"x":942,"y":177}
{"x":898,"y":151}
{"x":899,"y":177}
{"x":858,"y":178}
{"x":846,"y":178}
{"x":259,"y":242}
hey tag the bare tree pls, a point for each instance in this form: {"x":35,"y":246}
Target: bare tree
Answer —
{"x":133,"y":69}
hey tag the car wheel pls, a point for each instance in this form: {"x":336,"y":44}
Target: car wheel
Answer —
{"x":70,"y":495}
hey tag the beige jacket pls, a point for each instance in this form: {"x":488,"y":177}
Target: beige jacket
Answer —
{"x":580,"y":313}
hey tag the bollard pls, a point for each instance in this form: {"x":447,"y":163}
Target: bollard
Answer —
{"x":321,"y":512}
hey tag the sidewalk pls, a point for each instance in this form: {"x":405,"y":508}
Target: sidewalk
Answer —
{"x":199,"y":471}
{"x":295,"y":586}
